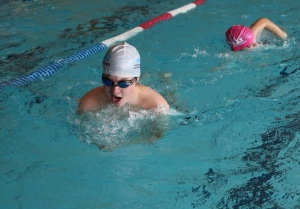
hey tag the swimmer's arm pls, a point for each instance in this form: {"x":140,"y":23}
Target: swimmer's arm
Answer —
{"x":162,"y":105}
{"x":158,"y":103}
{"x":153,"y":100}
{"x":90,"y":102}
{"x":263,"y":23}
{"x":86,"y":105}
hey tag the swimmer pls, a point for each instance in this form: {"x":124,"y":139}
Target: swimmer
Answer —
{"x":120,"y":78}
{"x":240,"y":37}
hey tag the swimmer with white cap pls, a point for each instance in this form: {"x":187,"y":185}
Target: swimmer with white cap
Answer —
{"x":121,"y":72}
{"x":240,"y":37}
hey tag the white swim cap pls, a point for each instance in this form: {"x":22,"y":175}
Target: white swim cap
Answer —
{"x":122,"y":60}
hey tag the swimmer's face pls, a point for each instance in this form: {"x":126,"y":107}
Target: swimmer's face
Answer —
{"x":116,"y":90}
{"x":253,"y":45}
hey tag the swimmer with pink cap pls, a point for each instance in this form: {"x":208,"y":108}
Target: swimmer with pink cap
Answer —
{"x":121,"y":72}
{"x":240,"y":37}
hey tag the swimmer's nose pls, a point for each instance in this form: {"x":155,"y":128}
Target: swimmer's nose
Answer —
{"x":115,"y":89}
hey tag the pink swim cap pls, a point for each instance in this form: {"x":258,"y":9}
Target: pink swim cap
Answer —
{"x":239,"y":37}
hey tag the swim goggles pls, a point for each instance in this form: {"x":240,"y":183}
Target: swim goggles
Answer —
{"x":122,"y":84}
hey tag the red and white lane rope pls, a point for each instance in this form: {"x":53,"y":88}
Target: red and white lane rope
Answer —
{"x":150,"y":23}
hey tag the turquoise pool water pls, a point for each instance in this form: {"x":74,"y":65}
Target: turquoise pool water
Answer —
{"x":232,"y":140}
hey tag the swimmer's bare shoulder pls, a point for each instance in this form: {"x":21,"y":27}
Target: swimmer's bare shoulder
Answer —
{"x":150,"y":99}
{"x":93,"y":100}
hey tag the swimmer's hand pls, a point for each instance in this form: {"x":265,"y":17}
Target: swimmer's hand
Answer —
{"x":283,"y":35}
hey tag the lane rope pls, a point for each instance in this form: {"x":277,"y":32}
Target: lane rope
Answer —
{"x":56,"y":65}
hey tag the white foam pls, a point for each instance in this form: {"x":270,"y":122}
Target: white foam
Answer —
{"x":121,"y":126}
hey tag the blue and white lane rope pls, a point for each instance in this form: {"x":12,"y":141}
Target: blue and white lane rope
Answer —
{"x":55,"y":66}
{"x":52,"y":68}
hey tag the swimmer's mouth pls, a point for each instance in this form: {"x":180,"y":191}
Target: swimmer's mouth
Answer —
{"x":117,"y":98}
